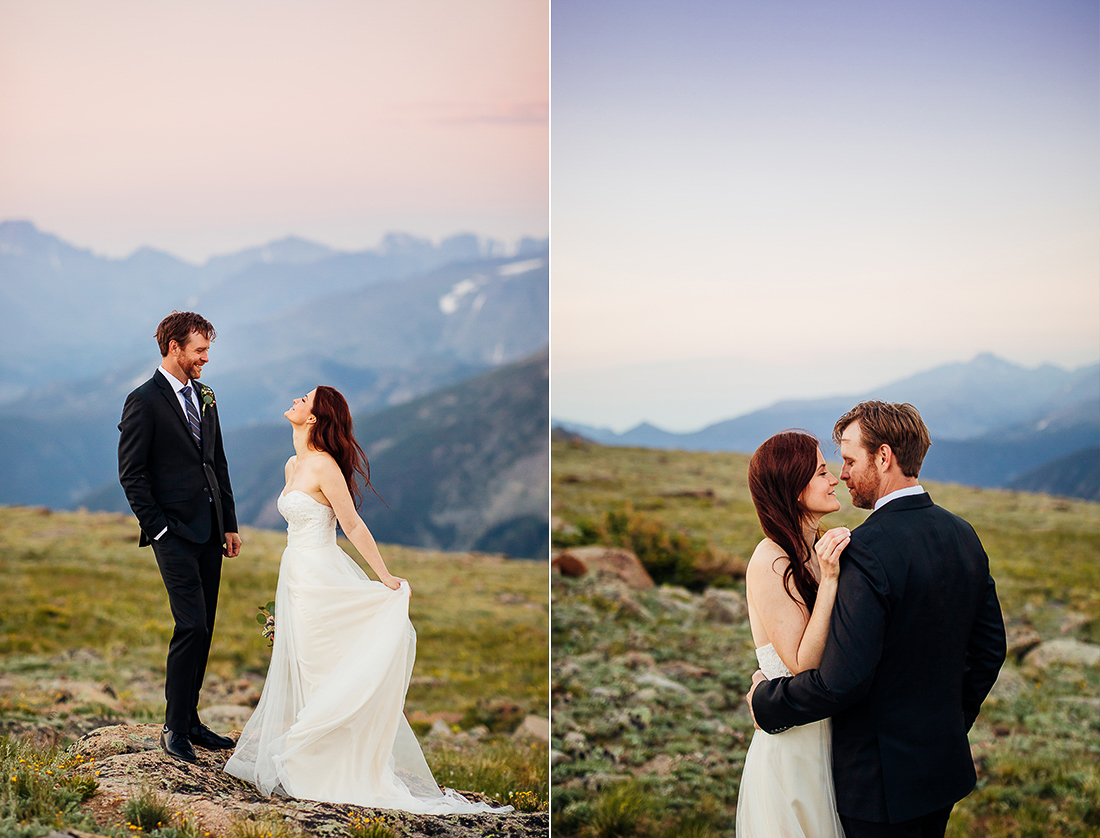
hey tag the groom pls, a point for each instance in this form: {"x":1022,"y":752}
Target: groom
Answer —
{"x":172,"y":466}
{"x":915,"y":643}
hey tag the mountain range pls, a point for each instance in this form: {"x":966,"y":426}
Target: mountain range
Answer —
{"x":993,"y":424}
{"x":462,"y":468}
{"x":68,"y":314}
{"x":387,"y":326}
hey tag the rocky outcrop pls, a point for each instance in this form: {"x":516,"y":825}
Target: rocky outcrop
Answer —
{"x":604,"y":561}
{"x":126,"y":760}
{"x":1009,"y":685}
{"x":1021,"y":638}
{"x":533,"y":727}
{"x":722,"y":606}
{"x":1064,"y":651}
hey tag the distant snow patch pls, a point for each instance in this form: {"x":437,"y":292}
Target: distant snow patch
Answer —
{"x":514,"y":268}
{"x":448,"y":303}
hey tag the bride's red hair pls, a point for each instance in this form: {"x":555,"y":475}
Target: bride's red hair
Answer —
{"x":332,"y":433}
{"x":778,"y":472}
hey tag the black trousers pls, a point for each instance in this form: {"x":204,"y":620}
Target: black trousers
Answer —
{"x":191,"y":574}
{"x":932,"y":825}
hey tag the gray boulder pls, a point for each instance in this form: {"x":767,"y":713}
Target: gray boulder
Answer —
{"x":1065,"y":651}
{"x":724,"y":606}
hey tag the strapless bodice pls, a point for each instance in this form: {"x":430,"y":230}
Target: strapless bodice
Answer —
{"x":309,"y":522}
{"x":770,"y":663}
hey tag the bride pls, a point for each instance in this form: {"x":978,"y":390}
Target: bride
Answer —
{"x":330,"y":723}
{"x":791,"y":583}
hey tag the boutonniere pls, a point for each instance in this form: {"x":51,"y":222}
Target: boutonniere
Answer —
{"x":206,"y":396}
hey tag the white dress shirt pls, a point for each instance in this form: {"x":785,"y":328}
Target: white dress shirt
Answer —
{"x":899,"y":493}
{"x":178,"y":386}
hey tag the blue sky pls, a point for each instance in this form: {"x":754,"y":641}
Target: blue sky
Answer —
{"x":752,"y":201}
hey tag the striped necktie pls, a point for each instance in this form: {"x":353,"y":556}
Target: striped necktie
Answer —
{"x":193,"y":421}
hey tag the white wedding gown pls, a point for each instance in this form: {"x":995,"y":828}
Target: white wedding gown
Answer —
{"x":787,"y":785}
{"x":330,"y":723}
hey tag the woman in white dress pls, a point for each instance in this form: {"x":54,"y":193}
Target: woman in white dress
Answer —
{"x":787,"y":783}
{"x":330,"y":723}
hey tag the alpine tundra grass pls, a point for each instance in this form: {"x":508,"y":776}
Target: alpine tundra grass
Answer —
{"x":639,"y":760}
{"x":85,"y":625}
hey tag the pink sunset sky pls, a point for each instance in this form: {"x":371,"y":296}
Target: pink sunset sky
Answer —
{"x":205,"y":127}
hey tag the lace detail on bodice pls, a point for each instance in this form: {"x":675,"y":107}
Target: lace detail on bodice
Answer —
{"x":770,"y":663}
{"x":309,"y":522}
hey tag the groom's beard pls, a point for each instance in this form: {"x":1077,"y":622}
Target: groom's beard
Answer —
{"x":865,"y":492}
{"x":192,"y":370}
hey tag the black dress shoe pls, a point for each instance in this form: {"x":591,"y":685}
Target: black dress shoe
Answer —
{"x":177,"y":745}
{"x":204,"y":737}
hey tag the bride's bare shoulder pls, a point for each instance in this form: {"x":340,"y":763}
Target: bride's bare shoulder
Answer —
{"x":769,"y":549}
{"x":324,"y":460}
{"x":768,"y":559}
{"x":324,"y":468}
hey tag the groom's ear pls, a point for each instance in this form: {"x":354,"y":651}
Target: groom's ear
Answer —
{"x":884,"y":457}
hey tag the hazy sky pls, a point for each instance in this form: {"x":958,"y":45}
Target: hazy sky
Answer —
{"x":202,"y":127}
{"x":759,"y":200}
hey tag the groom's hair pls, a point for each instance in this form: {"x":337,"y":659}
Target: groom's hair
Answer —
{"x":178,"y":327}
{"x":896,"y":425}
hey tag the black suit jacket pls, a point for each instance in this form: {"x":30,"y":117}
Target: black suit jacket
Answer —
{"x":168,"y":480}
{"x":915,"y":645}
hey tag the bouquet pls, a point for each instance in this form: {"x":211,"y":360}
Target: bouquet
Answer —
{"x":266,"y":619}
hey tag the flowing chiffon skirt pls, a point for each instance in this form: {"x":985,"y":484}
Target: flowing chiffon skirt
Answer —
{"x":787,"y":783}
{"x":330,"y":723}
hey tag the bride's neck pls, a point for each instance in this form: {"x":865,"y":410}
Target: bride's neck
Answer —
{"x":810,"y":528}
{"x":301,"y":440}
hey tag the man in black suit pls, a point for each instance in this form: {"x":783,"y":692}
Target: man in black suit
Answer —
{"x":915,"y":642}
{"x":172,"y":466}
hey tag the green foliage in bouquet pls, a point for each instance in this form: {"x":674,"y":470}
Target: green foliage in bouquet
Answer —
{"x":266,"y":619}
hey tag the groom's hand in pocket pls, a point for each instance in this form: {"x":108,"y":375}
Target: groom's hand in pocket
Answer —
{"x":232,"y":546}
{"x":757,"y":677}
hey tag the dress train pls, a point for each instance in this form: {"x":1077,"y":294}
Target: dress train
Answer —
{"x":330,"y":723}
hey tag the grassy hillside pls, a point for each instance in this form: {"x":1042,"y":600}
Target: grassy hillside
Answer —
{"x":667,"y":759}
{"x":71,"y":581}
{"x":84,"y":628}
